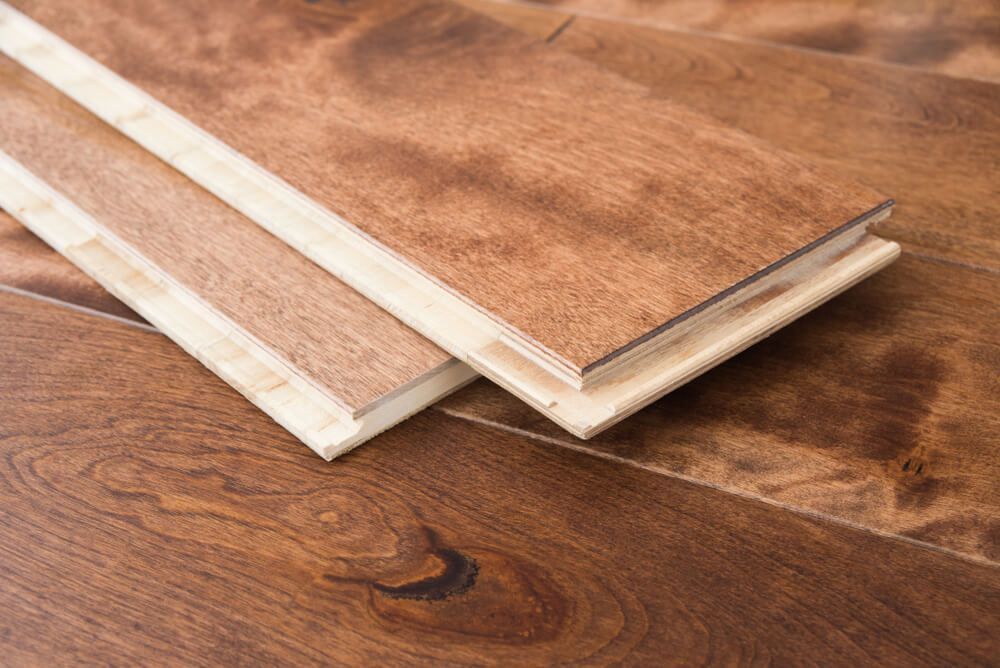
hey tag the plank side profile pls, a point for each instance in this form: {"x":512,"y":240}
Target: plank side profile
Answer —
{"x":191,"y":265}
{"x":583,"y":245}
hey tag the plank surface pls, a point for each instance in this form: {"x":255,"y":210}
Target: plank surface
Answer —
{"x":322,"y":331}
{"x":960,"y":38}
{"x":881,"y":409}
{"x":26,"y":263}
{"x":137,"y":527}
{"x":549,"y":194}
{"x":931,"y":140}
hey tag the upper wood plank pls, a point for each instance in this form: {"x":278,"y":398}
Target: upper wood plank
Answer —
{"x":138,"y":527}
{"x":960,"y":38}
{"x":931,"y":140}
{"x":343,"y":343}
{"x":551,"y":195}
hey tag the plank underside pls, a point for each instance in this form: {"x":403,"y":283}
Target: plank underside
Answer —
{"x":810,"y":205}
{"x":334,"y":376}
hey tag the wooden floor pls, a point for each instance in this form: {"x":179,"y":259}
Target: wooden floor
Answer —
{"x":830,"y":496}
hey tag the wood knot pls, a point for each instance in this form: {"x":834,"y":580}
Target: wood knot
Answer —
{"x":458,"y":575}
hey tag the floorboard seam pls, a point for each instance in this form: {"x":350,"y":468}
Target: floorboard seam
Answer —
{"x":78,"y":308}
{"x":731,"y":37}
{"x":578,"y":447}
{"x":948,"y":261}
{"x":558,"y":31}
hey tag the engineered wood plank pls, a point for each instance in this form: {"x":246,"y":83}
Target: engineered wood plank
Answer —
{"x":882,"y":410}
{"x":441,"y":542}
{"x":27,"y":264}
{"x":933,"y":140}
{"x":528,"y":226}
{"x":956,"y":38}
{"x":323,"y":361}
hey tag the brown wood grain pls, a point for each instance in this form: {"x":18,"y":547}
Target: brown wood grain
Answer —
{"x":960,"y":38}
{"x":26,"y":263}
{"x":139,"y":526}
{"x":880,"y":409}
{"x":933,"y":141}
{"x":526,"y":18}
{"x":556,"y":197}
{"x":359,"y":353}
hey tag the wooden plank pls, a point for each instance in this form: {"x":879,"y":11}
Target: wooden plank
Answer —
{"x":243,"y":303}
{"x":958,"y":38}
{"x":887,"y":127}
{"x":126,"y":539}
{"x":879,"y":410}
{"x":552,"y":227}
{"x":27,"y":264}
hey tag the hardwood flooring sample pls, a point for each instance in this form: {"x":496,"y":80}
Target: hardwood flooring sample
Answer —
{"x":960,"y":38}
{"x":27,"y":264}
{"x":441,"y":541}
{"x":551,"y":225}
{"x":323,"y":361}
{"x":879,"y":410}
{"x":887,"y":126}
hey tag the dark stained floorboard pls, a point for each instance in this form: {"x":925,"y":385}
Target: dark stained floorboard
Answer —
{"x":881,"y":408}
{"x":150,"y":514}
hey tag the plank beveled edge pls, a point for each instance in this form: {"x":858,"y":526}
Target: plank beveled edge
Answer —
{"x":367,"y":266}
{"x":269,"y":382}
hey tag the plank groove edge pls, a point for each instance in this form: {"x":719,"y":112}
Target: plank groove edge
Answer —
{"x":262,"y":377}
{"x":417,"y":300}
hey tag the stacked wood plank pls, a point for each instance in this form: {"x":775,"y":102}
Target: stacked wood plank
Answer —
{"x":827,"y":497}
{"x":587,"y":247}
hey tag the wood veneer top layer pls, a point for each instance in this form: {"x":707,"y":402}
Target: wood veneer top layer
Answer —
{"x":553,"y":196}
{"x":356,"y":351}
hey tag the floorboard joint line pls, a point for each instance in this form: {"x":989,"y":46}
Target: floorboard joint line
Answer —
{"x":558,"y":31}
{"x":86,"y":310}
{"x":593,"y":452}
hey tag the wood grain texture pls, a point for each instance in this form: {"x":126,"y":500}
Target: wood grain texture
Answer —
{"x":528,"y":19}
{"x":136,"y":527}
{"x":345,"y":344}
{"x":959,"y":38}
{"x":933,"y":141}
{"x":882,"y":409}
{"x":551,"y":195}
{"x":26,"y":263}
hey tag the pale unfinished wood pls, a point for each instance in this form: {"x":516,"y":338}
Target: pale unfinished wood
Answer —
{"x":769,"y":198}
{"x":233,"y":296}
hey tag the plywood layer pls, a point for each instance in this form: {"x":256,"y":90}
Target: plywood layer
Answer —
{"x":144,"y":230}
{"x":552,"y":196}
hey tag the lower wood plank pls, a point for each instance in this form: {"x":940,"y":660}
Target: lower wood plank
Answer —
{"x":879,"y":409}
{"x":27,"y":263}
{"x":148,"y":514}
